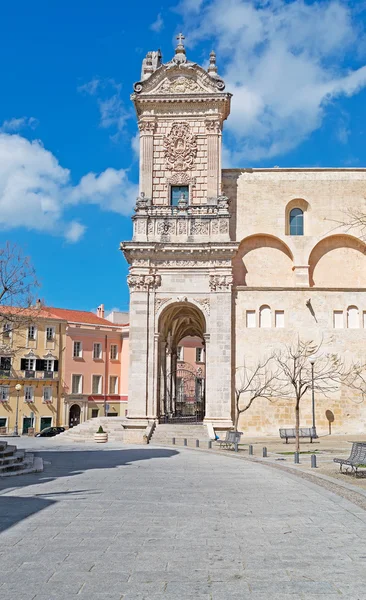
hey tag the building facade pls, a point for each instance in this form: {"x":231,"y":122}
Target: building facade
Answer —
{"x":242,"y":259}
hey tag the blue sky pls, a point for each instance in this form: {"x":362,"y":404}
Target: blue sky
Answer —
{"x":68,"y":162}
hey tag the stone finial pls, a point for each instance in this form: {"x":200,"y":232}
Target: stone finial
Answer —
{"x":212,"y":68}
{"x":180,"y":51}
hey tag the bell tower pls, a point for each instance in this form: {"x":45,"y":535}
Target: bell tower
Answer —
{"x":180,"y":255}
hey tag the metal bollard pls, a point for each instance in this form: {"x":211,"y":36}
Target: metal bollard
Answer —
{"x":296,"y":458}
{"x":236,"y":446}
{"x":251,"y":450}
{"x":313,"y":461}
{"x":197,"y":443}
{"x":264,"y":452}
{"x":210,"y":444}
{"x":173,"y":441}
{"x":185,"y":442}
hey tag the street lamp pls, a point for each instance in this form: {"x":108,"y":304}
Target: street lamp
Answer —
{"x":18,"y":387}
{"x":312,"y":362}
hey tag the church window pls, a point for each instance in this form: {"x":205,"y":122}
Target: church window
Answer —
{"x":279,"y":318}
{"x":251,"y":319}
{"x":265,"y":316}
{"x":338,"y":319}
{"x":352,"y":317}
{"x":296,"y":222}
{"x":178,"y":192}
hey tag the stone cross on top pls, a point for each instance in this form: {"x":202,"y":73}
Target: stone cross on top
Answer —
{"x":180,"y":38}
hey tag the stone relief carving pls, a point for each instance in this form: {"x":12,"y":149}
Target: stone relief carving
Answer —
{"x":150,"y":227}
{"x":224,"y":226}
{"x":213,"y":126}
{"x":199,"y":227}
{"x":140,"y":226}
{"x":179,"y":85}
{"x":147,"y":126}
{"x":182,"y":227}
{"x":142,"y":283}
{"x":205,"y":303}
{"x":181,"y":179}
{"x":159,"y":302}
{"x":220,"y":283}
{"x":180,"y":147}
{"x":165,"y":227}
{"x":215,"y":227}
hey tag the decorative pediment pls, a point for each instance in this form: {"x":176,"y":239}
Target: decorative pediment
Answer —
{"x":174,"y":79}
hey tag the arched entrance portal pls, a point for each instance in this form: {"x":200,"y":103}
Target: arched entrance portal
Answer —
{"x":74,"y":415}
{"x":181,"y":374}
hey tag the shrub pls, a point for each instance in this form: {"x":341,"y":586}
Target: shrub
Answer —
{"x":100,"y":430}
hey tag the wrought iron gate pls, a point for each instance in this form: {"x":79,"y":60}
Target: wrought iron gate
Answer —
{"x":185,"y":401}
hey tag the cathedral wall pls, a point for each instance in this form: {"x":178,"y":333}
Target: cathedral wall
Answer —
{"x":254,"y":342}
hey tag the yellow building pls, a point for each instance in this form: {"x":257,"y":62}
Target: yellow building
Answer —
{"x":31,"y":363}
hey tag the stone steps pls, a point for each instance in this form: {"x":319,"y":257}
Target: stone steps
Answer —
{"x":165,"y":432}
{"x":17,"y":462}
{"x":85,"y":431}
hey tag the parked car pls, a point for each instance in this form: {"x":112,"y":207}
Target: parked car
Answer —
{"x":50,"y":431}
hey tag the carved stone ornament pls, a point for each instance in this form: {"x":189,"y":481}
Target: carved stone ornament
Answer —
{"x":180,"y":85}
{"x":159,"y":302}
{"x":182,"y":227}
{"x":205,"y":303}
{"x":220,"y":283}
{"x":143,"y":283}
{"x":181,"y":179}
{"x":180,"y":147}
{"x":199,"y":227}
{"x":213,"y":126}
{"x":165,"y":227}
{"x":147,"y":126}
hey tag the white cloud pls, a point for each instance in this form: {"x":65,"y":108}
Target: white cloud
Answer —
{"x":283,"y":63}
{"x":135,"y":145}
{"x":35,"y":190}
{"x":113,"y":114}
{"x":158,"y":24}
{"x":16,"y":124}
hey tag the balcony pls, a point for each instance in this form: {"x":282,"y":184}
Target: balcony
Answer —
{"x":48,"y":374}
{"x":5,"y":373}
{"x":27,"y":374}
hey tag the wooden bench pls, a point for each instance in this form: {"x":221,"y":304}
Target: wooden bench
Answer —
{"x":304,"y":432}
{"x":356,"y":459}
{"x":231,"y":439}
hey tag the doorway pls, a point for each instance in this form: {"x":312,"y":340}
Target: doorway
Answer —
{"x":74,"y":415}
{"x":45,"y":422}
{"x":27,"y":423}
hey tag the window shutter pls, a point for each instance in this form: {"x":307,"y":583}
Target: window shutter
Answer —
{"x":39,"y":364}
{"x":55,"y":366}
{"x":22,"y":364}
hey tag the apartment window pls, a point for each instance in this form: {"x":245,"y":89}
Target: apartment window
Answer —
{"x":180,"y":353}
{"x":352,"y":317}
{"x":265,"y":316}
{"x":47,"y":394}
{"x":3,"y":421}
{"x":279,"y":318}
{"x":296,"y":222}
{"x":50,"y":333}
{"x":5,"y":363}
{"x":6,"y":330}
{"x":338,"y":319}
{"x":178,"y":192}
{"x":95,"y":413}
{"x":113,"y":387}
{"x":4,"y":393}
{"x":199,"y":354}
{"x":250,"y":319}
{"x":77,"y":384}
{"x":78,"y":350}
{"x":48,"y":364}
{"x":97,"y":351}
{"x":28,"y":393}
{"x":97,"y":384}
{"x":31,"y":332}
{"x":28,"y":364}
{"x":114,"y":352}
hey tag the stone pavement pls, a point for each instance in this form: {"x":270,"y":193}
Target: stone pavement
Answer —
{"x":118,"y":522}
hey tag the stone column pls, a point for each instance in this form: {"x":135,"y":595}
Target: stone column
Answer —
{"x":213,"y":129}
{"x":147,"y":129}
{"x":218,"y":348}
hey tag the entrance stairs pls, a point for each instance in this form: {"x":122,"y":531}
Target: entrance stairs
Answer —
{"x":17,"y":462}
{"x":85,"y":431}
{"x":165,"y":432}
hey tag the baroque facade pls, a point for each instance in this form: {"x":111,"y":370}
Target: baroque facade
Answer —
{"x":241,"y":259}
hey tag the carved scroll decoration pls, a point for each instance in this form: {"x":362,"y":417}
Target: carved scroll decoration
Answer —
{"x":143,"y":283}
{"x":220,"y":283}
{"x":180,"y":147}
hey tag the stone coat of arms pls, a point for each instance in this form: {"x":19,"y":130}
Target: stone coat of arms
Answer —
{"x":180,"y":147}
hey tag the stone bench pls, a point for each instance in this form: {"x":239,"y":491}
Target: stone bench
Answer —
{"x":356,"y":459}
{"x":304,"y":432}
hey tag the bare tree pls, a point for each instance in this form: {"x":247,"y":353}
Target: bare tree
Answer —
{"x":17,"y":288}
{"x":261,"y":381}
{"x":330,"y":372}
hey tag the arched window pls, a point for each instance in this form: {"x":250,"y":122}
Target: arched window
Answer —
{"x":296,"y":221}
{"x":353,"y":320}
{"x":265,"y":316}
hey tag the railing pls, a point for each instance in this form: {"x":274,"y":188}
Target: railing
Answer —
{"x":27,"y":374}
